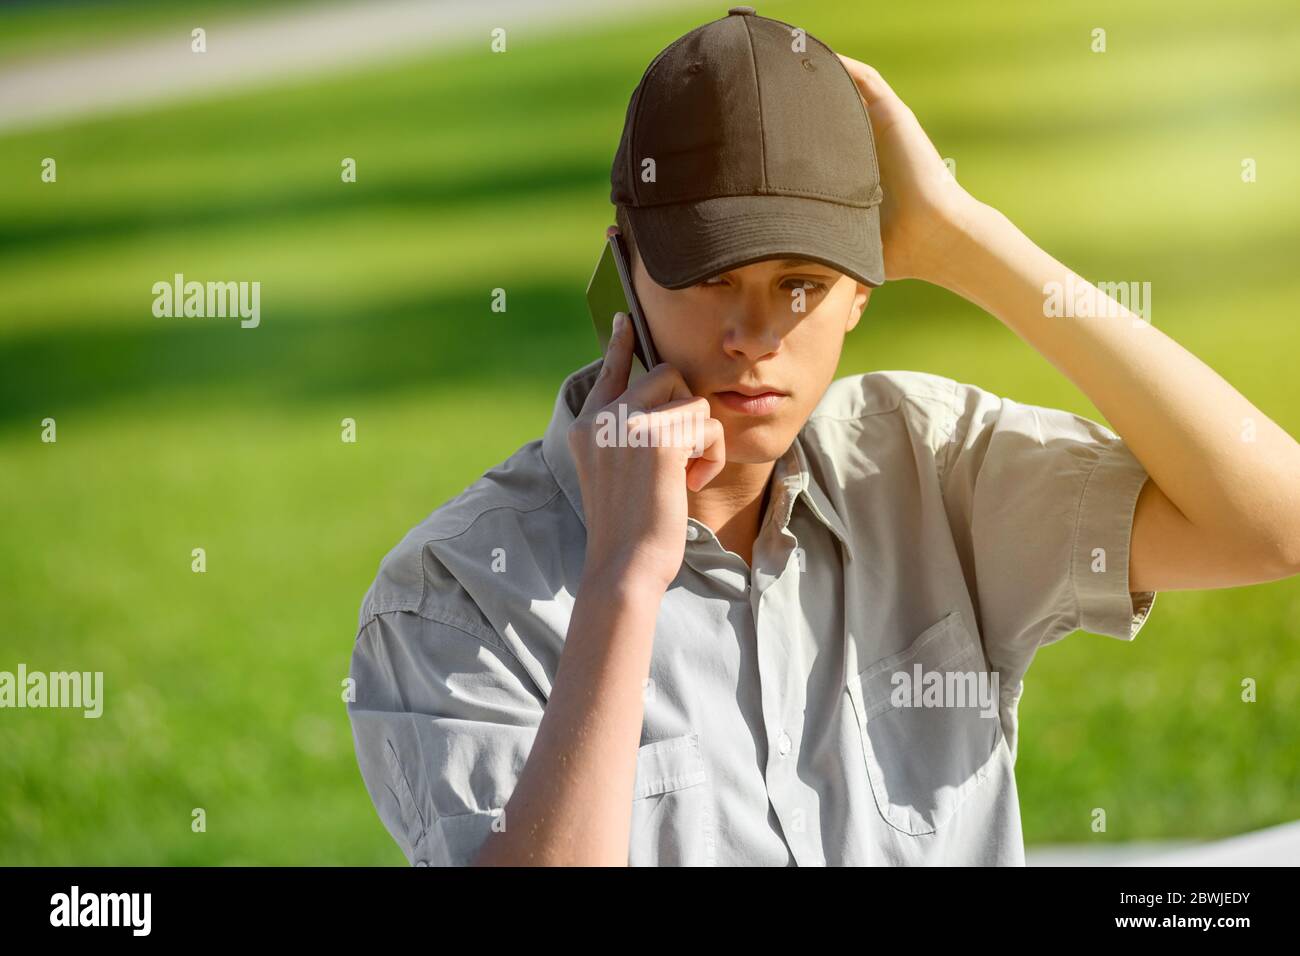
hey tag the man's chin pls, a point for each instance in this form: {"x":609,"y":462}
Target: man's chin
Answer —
{"x":757,"y":443}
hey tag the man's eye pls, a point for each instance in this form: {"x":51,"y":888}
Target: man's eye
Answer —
{"x":809,"y":285}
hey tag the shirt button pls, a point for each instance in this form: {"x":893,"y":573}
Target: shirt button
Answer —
{"x":783,"y":744}
{"x":692,"y":532}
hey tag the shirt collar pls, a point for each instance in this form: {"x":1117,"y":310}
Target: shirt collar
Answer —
{"x":792,"y":479}
{"x":818,"y":502}
{"x":555,"y":443}
{"x":791,"y":476}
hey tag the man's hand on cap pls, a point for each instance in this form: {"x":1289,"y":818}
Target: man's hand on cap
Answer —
{"x":923,"y":204}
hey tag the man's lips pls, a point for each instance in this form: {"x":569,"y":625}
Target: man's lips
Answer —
{"x":752,"y":400}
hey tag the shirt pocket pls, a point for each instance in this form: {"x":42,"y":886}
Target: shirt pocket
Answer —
{"x":672,"y":808}
{"x":923,"y":761}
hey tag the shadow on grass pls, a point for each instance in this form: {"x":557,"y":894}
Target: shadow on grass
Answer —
{"x":304,"y":204}
{"x":446,"y":338}
{"x":434,"y":341}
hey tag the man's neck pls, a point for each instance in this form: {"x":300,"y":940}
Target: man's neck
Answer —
{"x":733,"y":504}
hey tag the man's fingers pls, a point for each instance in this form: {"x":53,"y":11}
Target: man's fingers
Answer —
{"x":678,"y":424}
{"x":661,"y":385}
{"x":692,"y":404}
{"x":685,"y":424}
{"x":614,"y":368}
{"x":700,"y":471}
{"x":661,"y":410}
{"x":868,"y":78}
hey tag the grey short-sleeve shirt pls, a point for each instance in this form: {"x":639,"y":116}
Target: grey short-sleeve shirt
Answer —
{"x":850,"y":699}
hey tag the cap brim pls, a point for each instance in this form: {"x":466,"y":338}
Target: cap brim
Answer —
{"x":685,"y":243}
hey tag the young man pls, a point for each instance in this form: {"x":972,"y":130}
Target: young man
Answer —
{"x":806,"y":644}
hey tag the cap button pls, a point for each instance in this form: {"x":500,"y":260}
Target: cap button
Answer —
{"x":741,"y":11}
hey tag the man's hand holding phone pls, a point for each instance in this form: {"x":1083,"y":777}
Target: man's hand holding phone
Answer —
{"x":571,"y":804}
{"x":634,"y":480}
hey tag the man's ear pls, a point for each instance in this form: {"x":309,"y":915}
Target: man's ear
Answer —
{"x":860,"y":299}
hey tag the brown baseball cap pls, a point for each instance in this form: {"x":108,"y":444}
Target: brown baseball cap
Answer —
{"x":746,"y":139}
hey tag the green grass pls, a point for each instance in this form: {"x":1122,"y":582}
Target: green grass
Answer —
{"x":479,"y":171}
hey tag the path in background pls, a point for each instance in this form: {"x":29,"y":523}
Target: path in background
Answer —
{"x":253,"y":50}
{"x":1274,"y":846}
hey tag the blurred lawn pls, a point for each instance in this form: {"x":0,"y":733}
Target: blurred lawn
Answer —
{"x":478,"y":171}
{"x":43,"y":27}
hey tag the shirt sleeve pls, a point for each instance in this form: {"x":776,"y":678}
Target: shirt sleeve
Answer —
{"x":1041,"y":502}
{"x":443,"y":720}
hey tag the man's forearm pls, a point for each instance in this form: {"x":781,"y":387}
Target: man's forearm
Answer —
{"x":572,"y":804}
{"x":1223,"y":463}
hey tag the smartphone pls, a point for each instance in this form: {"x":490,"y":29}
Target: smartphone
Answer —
{"x":610,"y":290}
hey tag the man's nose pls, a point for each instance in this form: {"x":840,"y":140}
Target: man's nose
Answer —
{"x":752,"y":332}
